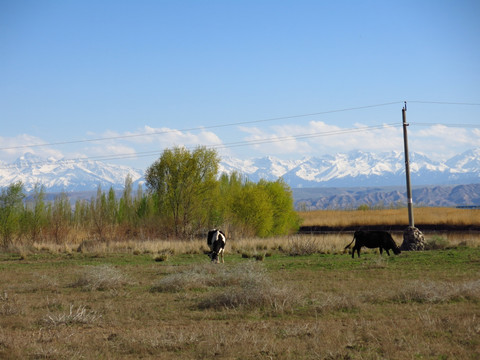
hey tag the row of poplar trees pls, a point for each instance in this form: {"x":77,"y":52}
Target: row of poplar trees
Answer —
{"x":184,"y":197}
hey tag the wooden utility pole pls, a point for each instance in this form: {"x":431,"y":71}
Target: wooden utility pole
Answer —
{"x":407,"y":167}
{"x":413,"y":238}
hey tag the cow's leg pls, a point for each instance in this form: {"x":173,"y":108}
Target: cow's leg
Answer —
{"x":223,"y":251}
{"x":358,"y":251}
{"x":381,"y":251}
{"x":387,"y":252}
{"x":353,"y":252}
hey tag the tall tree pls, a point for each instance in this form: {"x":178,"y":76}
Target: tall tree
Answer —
{"x":34,"y":217}
{"x":184,"y":182}
{"x":60,"y":217}
{"x":285,"y":218}
{"x":11,"y":207}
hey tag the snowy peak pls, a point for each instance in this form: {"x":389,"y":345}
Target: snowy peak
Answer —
{"x":468,"y":161}
{"x":268,"y":168}
{"x":359,"y":168}
{"x":65,"y":175}
{"x":352,"y":169}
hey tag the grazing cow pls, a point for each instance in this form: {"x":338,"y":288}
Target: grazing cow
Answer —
{"x":216,"y":242}
{"x":373,"y":239}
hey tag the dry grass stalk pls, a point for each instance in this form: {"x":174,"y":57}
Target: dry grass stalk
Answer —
{"x":8,"y":305}
{"x":103,"y":277}
{"x":438,"y":292}
{"x":285,"y":308}
{"x":430,"y":215}
{"x":78,"y":315}
{"x":245,"y":285}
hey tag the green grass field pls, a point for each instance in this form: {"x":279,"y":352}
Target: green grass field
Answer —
{"x":73,"y":305}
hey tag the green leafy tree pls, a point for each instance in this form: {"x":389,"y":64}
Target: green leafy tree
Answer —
{"x":60,"y":217}
{"x":228,"y":191}
{"x":263,"y":209}
{"x":126,"y":210}
{"x":100,"y":216}
{"x":11,"y":208}
{"x":285,"y":218}
{"x":81,"y":214}
{"x":34,"y":216}
{"x":253,"y":210}
{"x":184,"y":183}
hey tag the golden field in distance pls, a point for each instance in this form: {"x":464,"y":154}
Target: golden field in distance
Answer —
{"x":424,"y":215}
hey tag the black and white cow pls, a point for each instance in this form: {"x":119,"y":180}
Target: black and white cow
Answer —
{"x":373,"y":239}
{"x":216,"y":242}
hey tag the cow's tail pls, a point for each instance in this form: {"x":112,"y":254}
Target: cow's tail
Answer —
{"x":346,"y":247}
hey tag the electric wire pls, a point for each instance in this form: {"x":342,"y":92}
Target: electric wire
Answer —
{"x":446,"y":125}
{"x":443,"y":103}
{"x":213,"y":146}
{"x":199,"y":128}
{"x":238,"y":143}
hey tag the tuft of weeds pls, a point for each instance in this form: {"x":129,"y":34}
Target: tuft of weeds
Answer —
{"x":254,"y":255}
{"x":193,"y":277}
{"x":377,"y":262}
{"x":161,"y":257}
{"x":8,"y":306}
{"x":302,"y":246}
{"x":331,"y":302}
{"x":103,"y":277}
{"x":436,"y":243}
{"x":438,"y":292}
{"x":260,"y":257}
{"x":248,"y":286}
{"x":245,"y":285}
{"x":78,"y":315}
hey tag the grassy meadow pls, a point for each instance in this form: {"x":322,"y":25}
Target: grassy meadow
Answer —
{"x":293,"y":297}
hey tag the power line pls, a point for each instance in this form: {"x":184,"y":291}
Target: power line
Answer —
{"x":197,"y":128}
{"x":69,"y":142}
{"x":443,"y":103}
{"x":446,"y":124}
{"x":217,"y":146}
{"x":238,"y":143}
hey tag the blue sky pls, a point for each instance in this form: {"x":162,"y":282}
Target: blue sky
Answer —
{"x":179,"y":71}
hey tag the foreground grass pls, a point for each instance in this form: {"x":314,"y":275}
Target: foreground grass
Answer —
{"x":76,"y":305}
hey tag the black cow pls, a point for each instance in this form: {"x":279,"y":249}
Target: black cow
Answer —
{"x":216,"y":240}
{"x":373,"y":239}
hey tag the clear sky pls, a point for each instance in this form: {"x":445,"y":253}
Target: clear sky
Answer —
{"x":209,"y":72}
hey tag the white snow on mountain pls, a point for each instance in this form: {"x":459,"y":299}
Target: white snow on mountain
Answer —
{"x":65,"y":175}
{"x":359,"y":168}
{"x":351,"y":169}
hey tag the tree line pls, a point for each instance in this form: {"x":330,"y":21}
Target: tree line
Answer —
{"x":183,"y":197}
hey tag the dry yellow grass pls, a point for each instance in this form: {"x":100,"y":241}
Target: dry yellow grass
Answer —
{"x":421,"y":305}
{"x":425,"y":215}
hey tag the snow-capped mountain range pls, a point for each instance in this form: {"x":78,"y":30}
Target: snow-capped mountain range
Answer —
{"x":69,"y":176}
{"x":351,"y":169}
{"x":359,"y":168}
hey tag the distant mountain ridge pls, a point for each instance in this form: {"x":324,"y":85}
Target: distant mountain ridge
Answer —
{"x":69,"y":176}
{"x":352,"y":198}
{"x":353,"y":169}
{"x":359,"y":168}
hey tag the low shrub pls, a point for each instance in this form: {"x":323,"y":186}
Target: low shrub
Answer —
{"x":438,"y":292}
{"x":103,"y":277}
{"x":245,"y":285}
{"x":79,"y":315}
{"x":302,"y":246}
{"x":436,"y":243}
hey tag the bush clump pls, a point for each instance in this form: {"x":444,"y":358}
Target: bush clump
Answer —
{"x":246,"y":285}
{"x":436,"y":243}
{"x":103,"y":277}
